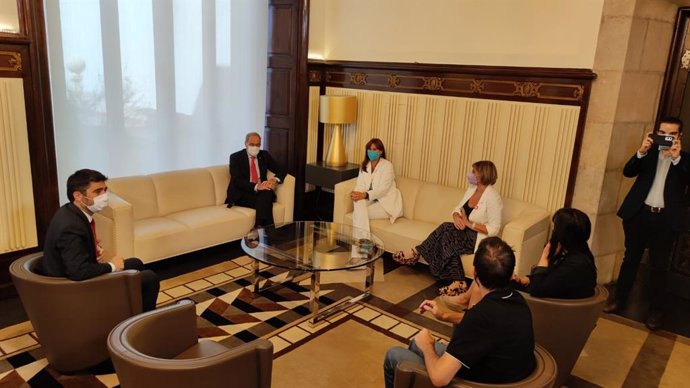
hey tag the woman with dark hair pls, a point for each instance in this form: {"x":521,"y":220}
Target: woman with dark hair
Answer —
{"x":566,"y":269}
{"x":375,"y":195}
{"x":477,"y":216}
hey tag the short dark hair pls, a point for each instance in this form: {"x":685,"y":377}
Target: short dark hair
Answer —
{"x":80,"y":181}
{"x":494,"y":262}
{"x":672,"y":120}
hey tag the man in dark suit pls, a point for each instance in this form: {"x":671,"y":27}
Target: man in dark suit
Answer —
{"x":653,"y":213}
{"x":72,"y":249}
{"x":249,"y":184}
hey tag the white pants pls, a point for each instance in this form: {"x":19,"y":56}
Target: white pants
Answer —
{"x":366,"y":210}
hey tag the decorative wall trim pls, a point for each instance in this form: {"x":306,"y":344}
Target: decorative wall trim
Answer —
{"x":545,"y":85}
{"x":550,"y":86}
{"x":11,"y":61}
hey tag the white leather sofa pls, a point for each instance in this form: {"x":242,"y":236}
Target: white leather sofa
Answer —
{"x":427,"y":205}
{"x":157,"y":216}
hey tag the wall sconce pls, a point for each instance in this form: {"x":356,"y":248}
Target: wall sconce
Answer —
{"x":337,"y":110}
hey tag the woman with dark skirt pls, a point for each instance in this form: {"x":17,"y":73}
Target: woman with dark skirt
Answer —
{"x":477,"y":216}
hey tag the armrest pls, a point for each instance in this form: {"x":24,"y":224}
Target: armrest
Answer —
{"x":285,"y":195}
{"x":342,"y":204}
{"x":410,"y":374}
{"x":527,"y":234}
{"x":115,"y":227}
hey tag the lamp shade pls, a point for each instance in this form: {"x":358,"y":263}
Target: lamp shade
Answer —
{"x":337,"y":109}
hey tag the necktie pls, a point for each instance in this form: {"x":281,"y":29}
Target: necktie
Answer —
{"x":253,"y":170}
{"x":93,"y":232}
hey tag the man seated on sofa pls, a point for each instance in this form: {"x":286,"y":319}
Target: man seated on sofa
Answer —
{"x":249,"y":184}
{"x":493,"y":343}
{"x":73,"y":250}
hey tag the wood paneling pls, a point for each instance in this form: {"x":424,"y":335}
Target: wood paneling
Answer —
{"x":517,"y":84}
{"x":286,"y":93}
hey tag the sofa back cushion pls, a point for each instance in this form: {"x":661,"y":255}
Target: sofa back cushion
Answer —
{"x":408,"y":189}
{"x":139,"y":191}
{"x":221,"y":179}
{"x":183,"y":190}
{"x":512,"y":208}
{"x":435,"y":203}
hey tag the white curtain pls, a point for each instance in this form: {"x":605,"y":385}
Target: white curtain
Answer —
{"x":142,"y":86}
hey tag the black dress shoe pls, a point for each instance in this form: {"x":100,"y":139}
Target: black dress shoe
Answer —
{"x":654,"y":321}
{"x":611,"y":307}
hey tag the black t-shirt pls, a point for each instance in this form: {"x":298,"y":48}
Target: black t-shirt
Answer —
{"x":494,"y":341}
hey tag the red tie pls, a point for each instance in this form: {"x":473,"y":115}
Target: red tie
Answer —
{"x":254,"y":172}
{"x":93,"y":230}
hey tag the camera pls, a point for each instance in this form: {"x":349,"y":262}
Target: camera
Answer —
{"x":663,"y":141}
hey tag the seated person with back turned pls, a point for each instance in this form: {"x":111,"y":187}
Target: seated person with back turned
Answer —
{"x":73,"y":250}
{"x":492,"y":342}
{"x":249,"y":185}
{"x":566,"y":269}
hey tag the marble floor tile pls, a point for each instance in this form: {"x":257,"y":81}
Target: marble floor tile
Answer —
{"x":677,"y":372}
{"x":402,"y":283}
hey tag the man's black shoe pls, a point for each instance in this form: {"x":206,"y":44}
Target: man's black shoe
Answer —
{"x":654,"y":321}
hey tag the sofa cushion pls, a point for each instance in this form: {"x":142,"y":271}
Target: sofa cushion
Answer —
{"x":184,"y":190}
{"x":435,"y":203}
{"x":408,"y":189}
{"x":221,"y":179}
{"x":139,"y":192}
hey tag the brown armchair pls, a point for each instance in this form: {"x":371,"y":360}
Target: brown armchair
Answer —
{"x":413,"y":375}
{"x":562,"y":326}
{"x":73,"y":319}
{"x":160,"y":349}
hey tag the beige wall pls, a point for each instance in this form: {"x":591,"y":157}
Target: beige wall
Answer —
{"x":540,"y":33}
{"x":9,"y":16}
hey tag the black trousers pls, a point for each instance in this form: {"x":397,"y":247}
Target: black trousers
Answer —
{"x":149,"y":283}
{"x":652,"y":231}
{"x":262,"y":201}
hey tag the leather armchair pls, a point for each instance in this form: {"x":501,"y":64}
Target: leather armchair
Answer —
{"x":562,"y":326}
{"x":160,"y":349}
{"x":73,"y":319}
{"x":410,"y":374}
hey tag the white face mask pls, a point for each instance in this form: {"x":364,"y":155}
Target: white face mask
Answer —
{"x":253,"y":150}
{"x":99,"y":203}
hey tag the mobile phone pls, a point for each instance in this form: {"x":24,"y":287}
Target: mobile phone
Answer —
{"x":663,"y":141}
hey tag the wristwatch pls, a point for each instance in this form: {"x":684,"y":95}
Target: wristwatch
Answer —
{"x":474,"y":225}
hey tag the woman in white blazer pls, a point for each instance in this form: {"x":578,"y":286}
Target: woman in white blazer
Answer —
{"x":477,"y":216}
{"x":375,"y":195}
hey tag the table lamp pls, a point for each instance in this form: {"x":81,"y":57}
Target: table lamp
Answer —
{"x":337,"y":110}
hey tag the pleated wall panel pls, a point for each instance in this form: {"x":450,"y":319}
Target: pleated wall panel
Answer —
{"x":17,"y":215}
{"x":436,"y":139}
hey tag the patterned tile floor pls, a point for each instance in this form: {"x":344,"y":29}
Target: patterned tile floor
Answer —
{"x":619,"y":353}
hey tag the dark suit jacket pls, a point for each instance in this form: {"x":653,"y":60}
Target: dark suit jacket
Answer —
{"x":674,"y":188}
{"x":574,"y":277}
{"x":240,"y":177}
{"x":69,"y":250}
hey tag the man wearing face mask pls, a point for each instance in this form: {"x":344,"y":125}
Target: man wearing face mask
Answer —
{"x":249,"y":184}
{"x":72,"y":248}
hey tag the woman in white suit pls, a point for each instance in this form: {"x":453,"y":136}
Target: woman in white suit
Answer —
{"x":375,"y":195}
{"x":477,"y":216}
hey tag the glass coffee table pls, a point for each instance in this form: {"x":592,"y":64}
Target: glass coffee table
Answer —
{"x":307,"y":248}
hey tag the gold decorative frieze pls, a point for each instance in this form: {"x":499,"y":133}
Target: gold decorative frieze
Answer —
{"x":358,"y":78}
{"x":433,"y":83}
{"x":526,"y":89}
{"x":315,"y":76}
{"x":476,"y":86}
{"x":393,"y":81}
{"x":14,"y":61}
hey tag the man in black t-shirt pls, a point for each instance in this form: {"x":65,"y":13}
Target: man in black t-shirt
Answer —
{"x":493,"y":341}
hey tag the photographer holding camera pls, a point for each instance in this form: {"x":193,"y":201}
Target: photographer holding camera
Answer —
{"x":653,"y":213}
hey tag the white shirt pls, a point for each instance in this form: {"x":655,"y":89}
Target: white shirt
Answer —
{"x":258,"y":170}
{"x":655,"y":197}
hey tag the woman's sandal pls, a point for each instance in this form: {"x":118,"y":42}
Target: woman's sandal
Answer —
{"x":399,"y":257}
{"x":454,"y":289}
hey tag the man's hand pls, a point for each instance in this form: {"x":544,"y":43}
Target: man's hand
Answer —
{"x":99,"y":254}
{"x":544,"y":260}
{"x":425,"y":341}
{"x":119,"y":262}
{"x":432,"y":307}
{"x":646,"y":143}
{"x":267,"y":185}
{"x":357,"y":195}
{"x":674,"y":151}
{"x":524,"y":281}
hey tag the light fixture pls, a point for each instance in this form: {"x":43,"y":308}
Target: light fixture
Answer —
{"x":337,"y":110}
